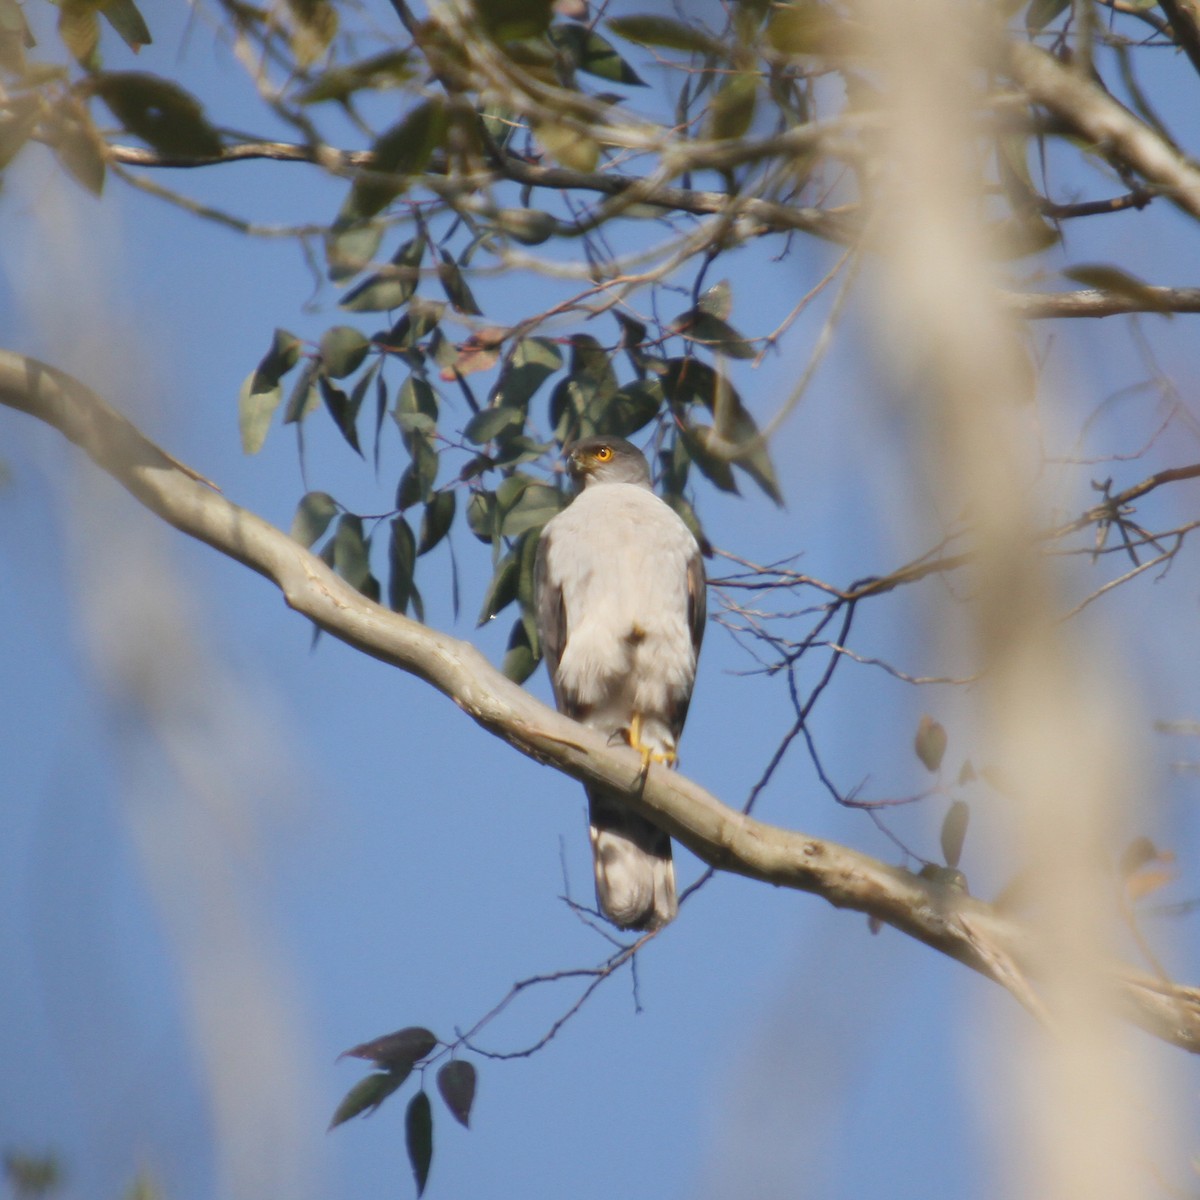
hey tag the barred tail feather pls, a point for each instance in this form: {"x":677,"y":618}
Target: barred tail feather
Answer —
{"x":635,"y":873}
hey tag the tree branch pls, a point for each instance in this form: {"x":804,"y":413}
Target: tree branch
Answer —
{"x":942,"y":917}
{"x":1096,"y":116}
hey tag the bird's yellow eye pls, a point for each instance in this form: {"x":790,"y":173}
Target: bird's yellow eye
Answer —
{"x":604,"y":454}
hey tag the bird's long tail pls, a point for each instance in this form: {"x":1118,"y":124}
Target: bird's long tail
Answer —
{"x":635,"y":873}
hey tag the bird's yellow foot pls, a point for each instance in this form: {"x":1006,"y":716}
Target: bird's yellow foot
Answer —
{"x":667,"y":757}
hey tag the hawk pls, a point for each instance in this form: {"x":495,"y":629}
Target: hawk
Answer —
{"x":620,"y":598}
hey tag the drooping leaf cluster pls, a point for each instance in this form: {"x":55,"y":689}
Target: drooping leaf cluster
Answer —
{"x":396,"y":1056}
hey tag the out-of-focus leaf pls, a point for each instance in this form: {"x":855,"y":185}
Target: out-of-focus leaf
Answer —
{"x":529,"y":226}
{"x":282,"y":356}
{"x":1145,"y":868}
{"x":966,"y":773}
{"x":402,"y":560}
{"x":519,"y":663}
{"x":1019,"y":236}
{"x":313,"y":514}
{"x":436,"y":520}
{"x":510,"y":20}
{"x":1040,"y":13}
{"x":400,"y":152}
{"x":15,"y":38}
{"x":502,"y":590}
{"x":342,"y":411}
{"x":418,"y":1137}
{"x":806,"y":27}
{"x":351,"y":247}
{"x":567,"y":145}
{"x":947,"y":877}
{"x":490,"y":423}
{"x":124,"y":17}
{"x":592,"y":53}
{"x":315,"y":25}
{"x":714,"y":333}
{"x":18,"y":120}
{"x":717,"y":301}
{"x":954,"y":832}
{"x":80,"y":149}
{"x":732,"y":108}
{"x":399,"y":1051}
{"x":455,"y":286}
{"x":416,"y":409}
{"x":255,"y":410}
{"x":1107,"y":278}
{"x":343,"y":349}
{"x":159,"y":112}
{"x":387,"y":70}
{"x":930,"y":743}
{"x":456,"y":1082}
{"x":392,"y":287}
{"x":650,"y":30}
{"x":365,"y":1097}
{"x":79,"y":29}
{"x":351,"y":557}
{"x":634,"y":407}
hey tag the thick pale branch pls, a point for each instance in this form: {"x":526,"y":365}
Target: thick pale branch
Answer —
{"x":1095,"y":115}
{"x":951,"y":922}
{"x":1097,"y":302}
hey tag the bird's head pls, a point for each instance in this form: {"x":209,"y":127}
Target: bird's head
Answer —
{"x":606,"y":460}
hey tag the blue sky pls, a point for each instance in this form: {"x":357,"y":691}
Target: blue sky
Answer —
{"x":359,"y":857}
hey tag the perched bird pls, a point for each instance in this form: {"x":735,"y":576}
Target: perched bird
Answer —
{"x":620,"y":611}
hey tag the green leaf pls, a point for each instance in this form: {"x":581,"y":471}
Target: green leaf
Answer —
{"x":1017,"y":236}
{"x":343,"y":349}
{"x":159,"y":112}
{"x":456,"y":1082}
{"x":714,"y":467}
{"x":365,"y":1097}
{"x":436,"y":520}
{"x":502,"y":590}
{"x":350,"y":247}
{"x":343,"y":412}
{"x":491,"y":423}
{"x":399,"y":153}
{"x":633,"y":407}
{"x":396,"y":1052}
{"x":450,"y":276}
{"x":351,"y":556}
{"x":418,"y":1137}
{"x":715,"y":334}
{"x":954,"y":832}
{"x":648,"y":30}
{"x":255,"y":410}
{"x":519,"y":663}
{"x":593,"y":54}
{"x":124,"y":17}
{"x":532,"y":362}
{"x":313,"y":514}
{"x":391,"y":287}
{"x":805,"y":27}
{"x":481,"y":517}
{"x":282,"y":356}
{"x":402,"y":559}
{"x":732,"y":108}
{"x":537,"y":504}
{"x":510,"y":20}
{"x":304,"y":396}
